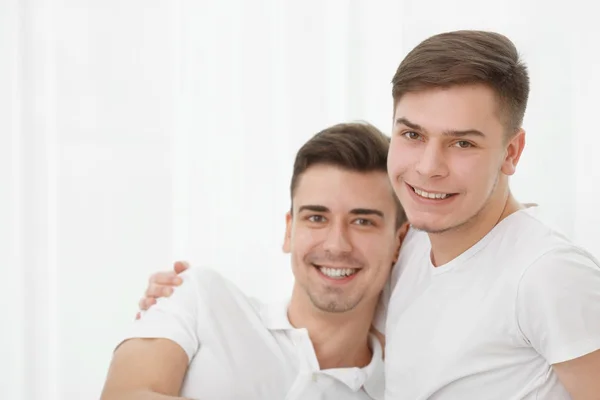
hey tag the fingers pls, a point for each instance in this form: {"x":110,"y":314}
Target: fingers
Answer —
{"x":161,"y":284}
{"x":146,"y":302}
{"x":155,"y":291}
{"x":169,"y":278}
{"x":180,"y":266}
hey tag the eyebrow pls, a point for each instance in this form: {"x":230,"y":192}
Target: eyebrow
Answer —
{"x":355,"y":211}
{"x":366,"y":211}
{"x":313,"y":208}
{"x":466,"y":132}
{"x":411,"y":125}
{"x":448,"y":132}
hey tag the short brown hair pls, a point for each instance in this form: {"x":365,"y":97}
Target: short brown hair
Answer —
{"x":468,"y":57}
{"x":355,"y":146}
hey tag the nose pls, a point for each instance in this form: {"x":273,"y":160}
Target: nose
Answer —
{"x":337,"y":240}
{"x":432,"y":163}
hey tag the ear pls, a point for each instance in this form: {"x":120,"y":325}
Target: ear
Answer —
{"x":514,"y":150}
{"x":287,"y":240}
{"x":400,"y":235}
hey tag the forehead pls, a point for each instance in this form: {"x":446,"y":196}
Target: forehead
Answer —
{"x":343,"y":190}
{"x":461,"y":107}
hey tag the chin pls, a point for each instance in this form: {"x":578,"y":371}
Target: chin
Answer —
{"x":436,"y":226}
{"x":432,"y":228}
{"x":429,"y":222}
{"x":336,"y":306}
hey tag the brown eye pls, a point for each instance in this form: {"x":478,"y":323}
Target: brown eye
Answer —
{"x":463,"y":144}
{"x":316,"y":218}
{"x":411,"y":135}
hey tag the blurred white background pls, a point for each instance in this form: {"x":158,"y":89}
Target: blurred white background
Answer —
{"x":134,"y":133}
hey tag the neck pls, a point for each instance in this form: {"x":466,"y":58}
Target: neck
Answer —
{"x":340,"y":340}
{"x":448,"y":245}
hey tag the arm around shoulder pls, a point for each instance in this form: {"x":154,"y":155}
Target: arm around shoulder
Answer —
{"x":152,"y":360}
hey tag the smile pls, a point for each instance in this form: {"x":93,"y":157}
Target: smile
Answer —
{"x":336,"y":273}
{"x":430,"y":195}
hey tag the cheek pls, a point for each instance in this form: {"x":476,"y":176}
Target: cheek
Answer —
{"x":399,"y":158}
{"x":475,"y":173}
{"x":381,"y":257}
{"x":302,"y":241}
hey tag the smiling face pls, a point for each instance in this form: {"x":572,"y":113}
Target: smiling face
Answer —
{"x":450,"y":157}
{"x":342,"y":236}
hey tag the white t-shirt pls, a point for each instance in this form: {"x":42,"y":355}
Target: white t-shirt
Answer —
{"x":488,"y":324}
{"x":239,"y":348}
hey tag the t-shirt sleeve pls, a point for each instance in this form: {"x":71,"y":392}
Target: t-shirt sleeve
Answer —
{"x":558,"y":305}
{"x":174,"y":318}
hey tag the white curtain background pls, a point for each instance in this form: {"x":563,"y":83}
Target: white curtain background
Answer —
{"x":134,"y":133}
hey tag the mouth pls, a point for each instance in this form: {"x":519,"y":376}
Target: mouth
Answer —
{"x":337,"y":274}
{"x":429,"y":195}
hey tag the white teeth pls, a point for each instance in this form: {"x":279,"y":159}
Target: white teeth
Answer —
{"x":337,"y":272}
{"x":428,"y":195}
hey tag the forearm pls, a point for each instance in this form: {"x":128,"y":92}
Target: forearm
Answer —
{"x":139,"y":394}
{"x":146,"y":369}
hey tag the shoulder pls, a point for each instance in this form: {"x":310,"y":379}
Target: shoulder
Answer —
{"x":209,"y":282}
{"x":523,"y":239}
{"x":562,"y":264}
{"x":218,"y":293}
{"x":203,"y":276}
{"x":545,"y":244}
{"x":553,"y":263}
